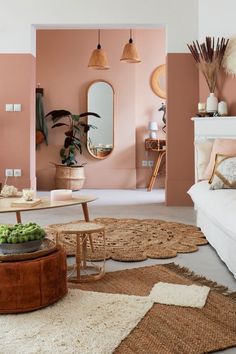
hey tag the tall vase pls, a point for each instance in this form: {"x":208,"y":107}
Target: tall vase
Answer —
{"x":212,"y":103}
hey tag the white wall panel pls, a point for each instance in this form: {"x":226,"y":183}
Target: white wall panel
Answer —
{"x":16,"y":18}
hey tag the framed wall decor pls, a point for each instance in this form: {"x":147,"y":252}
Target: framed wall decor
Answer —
{"x":158,"y":81}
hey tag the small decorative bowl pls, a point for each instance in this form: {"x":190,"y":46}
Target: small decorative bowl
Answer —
{"x":24,"y":247}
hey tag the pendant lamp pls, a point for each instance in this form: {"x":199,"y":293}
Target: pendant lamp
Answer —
{"x":130,"y":53}
{"x":98,"y":59}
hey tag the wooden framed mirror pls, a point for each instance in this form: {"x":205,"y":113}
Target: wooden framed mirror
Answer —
{"x":158,"y":81}
{"x":100,"y":99}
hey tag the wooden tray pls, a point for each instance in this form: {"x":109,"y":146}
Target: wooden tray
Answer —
{"x":48,"y":246}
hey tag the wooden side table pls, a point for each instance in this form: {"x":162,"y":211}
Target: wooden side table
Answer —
{"x":82,"y":231}
{"x":158,"y":146}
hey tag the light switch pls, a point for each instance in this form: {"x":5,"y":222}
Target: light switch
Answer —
{"x":17,"y":107}
{"x":9,"y":107}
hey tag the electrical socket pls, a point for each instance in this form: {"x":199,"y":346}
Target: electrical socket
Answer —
{"x":17,"y":172}
{"x":150,"y":163}
{"x":144,"y":163}
{"x":9,"y":172}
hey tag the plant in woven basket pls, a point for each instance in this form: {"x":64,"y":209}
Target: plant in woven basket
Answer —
{"x":75,"y":129}
{"x":209,"y":57}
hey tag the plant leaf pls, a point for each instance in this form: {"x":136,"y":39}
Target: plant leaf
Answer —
{"x":85,"y":114}
{"x":58,"y":113}
{"x":77,"y":128}
{"x":67,"y":142}
{"x":79,"y":147}
{"x":69,"y":133}
{"x":75,"y":117}
{"x":59,"y":125}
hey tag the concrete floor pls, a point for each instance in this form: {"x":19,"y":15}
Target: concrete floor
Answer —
{"x":137,"y":204}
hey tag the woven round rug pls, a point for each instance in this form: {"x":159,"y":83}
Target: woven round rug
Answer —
{"x":135,"y":240}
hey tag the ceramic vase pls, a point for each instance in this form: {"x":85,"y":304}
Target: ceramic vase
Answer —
{"x":212,"y":103}
{"x":222,"y":108}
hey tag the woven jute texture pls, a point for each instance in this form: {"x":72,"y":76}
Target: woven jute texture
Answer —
{"x":173,"y":329}
{"x":136,"y":240}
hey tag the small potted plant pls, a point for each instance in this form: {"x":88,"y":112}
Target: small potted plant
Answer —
{"x":70,"y":174}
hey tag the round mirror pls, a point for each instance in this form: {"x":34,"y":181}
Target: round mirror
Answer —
{"x":158,"y":81}
{"x":100,"y":137}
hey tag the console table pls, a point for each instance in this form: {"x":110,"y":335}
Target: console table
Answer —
{"x":159,"y":146}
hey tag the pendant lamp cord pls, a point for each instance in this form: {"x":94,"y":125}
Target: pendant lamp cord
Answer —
{"x":99,"y":45}
{"x":130,"y":39}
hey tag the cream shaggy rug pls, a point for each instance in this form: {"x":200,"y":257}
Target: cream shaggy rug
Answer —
{"x":83,"y":322}
{"x":87,"y":322}
{"x":180,"y":295}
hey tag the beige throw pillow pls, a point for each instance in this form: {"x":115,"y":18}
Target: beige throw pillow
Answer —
{"x":224,"y":173}
{"x":223,"y":147}
{"x":202,"y":157}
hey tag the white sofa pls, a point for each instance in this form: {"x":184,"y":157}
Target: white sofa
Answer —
{"x":216,"y":216}
{"x":216,"y":209}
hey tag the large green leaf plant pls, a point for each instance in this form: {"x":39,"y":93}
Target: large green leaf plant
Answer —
{"x":74,"y":134}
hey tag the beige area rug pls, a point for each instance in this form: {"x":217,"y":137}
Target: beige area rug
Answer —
{"x":137,"y":240}
{"x":173,"y":329}
{"x":84,"y":322}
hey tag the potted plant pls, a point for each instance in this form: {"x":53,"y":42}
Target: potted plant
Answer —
{"x":70,"y":174}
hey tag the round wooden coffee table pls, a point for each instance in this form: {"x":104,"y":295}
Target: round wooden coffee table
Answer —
{"x":33,"y":284}
{"x":46,"y":203}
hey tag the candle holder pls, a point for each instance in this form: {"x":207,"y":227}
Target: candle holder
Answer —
{"x":61,"y":194}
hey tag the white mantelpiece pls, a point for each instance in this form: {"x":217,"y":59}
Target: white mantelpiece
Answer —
{"x":214,"y":127}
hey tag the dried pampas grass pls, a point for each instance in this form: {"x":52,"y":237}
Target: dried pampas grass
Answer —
{"x":209,"y":57}
{"x":229,"y":60}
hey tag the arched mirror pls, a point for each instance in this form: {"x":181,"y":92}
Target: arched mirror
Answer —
{"x":100,"y":99}
{"x":158,"y":81}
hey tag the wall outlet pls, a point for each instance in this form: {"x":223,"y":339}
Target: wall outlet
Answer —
{"x":144,"y":163}
{"x":9,"y":172}
{"x":150,"y":163}
{"x":17,"y":172}
{"x":9,"y":107}
{"x":17,"y":107}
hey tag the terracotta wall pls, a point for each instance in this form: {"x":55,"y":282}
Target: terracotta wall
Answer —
{"x":62,"y":57}
{"x":17,"y":72}
{"x":183,"y":96}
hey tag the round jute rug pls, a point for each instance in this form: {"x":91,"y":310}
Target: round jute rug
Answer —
{"x":137,"y":239}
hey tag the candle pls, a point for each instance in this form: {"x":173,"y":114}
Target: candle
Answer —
{"x":61,"y":194}
{"x":201,"y":107}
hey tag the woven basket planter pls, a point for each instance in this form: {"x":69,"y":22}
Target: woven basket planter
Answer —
{"x":69,"y":177}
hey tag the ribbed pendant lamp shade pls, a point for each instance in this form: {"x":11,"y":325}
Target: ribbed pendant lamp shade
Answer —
{"x":98,"y":59}
{"x":130,"y":53}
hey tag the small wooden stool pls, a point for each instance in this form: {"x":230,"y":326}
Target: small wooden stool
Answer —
{"x":83,"y":231}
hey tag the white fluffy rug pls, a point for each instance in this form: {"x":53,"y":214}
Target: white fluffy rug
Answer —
{"x":179,"y":295}
{"x":86,"y":322}
{"x":82,"y":323}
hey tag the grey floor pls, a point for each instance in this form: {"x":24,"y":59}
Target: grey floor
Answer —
{"x":137,"y":204}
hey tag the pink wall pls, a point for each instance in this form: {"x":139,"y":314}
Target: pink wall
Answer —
{"x":152,"y":47}
{"x":17,"y":145}
{"x":183,"y":93}
{"x":62,"y":57}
